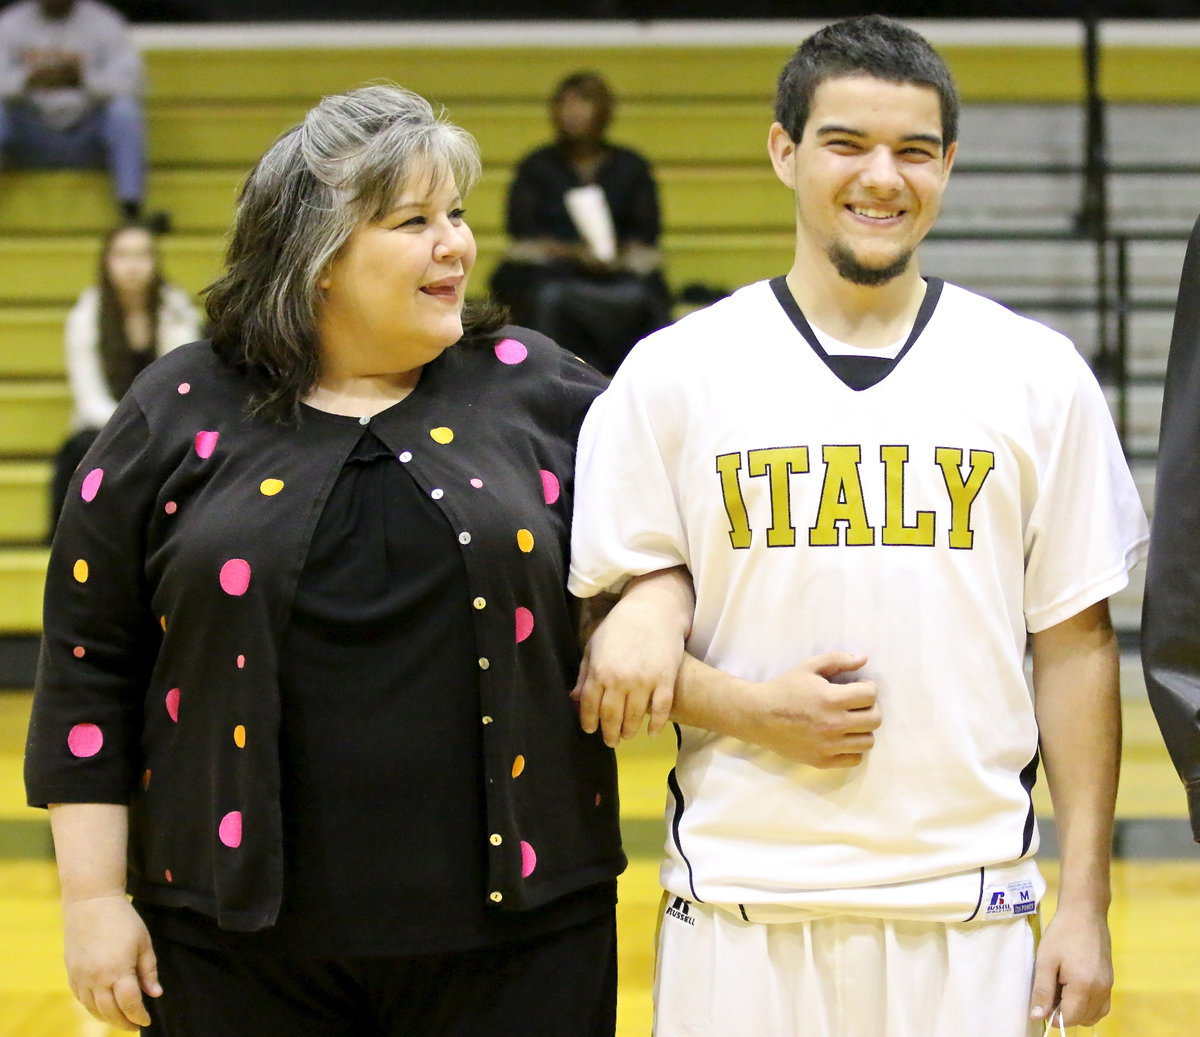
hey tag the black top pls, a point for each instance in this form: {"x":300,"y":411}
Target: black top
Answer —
{"x":171,"y":588}
{"x":535,"y":200}
{"x":380,"y":705}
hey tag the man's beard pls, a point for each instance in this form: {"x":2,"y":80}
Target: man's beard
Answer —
{"x":848,"y":266}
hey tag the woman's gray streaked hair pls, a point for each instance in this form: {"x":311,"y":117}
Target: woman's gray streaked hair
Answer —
{"x":344,"y":165}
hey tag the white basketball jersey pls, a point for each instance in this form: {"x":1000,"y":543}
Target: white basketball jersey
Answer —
{"x":977,"y":492}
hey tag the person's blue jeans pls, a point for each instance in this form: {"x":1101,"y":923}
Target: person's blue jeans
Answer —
{"x":111,"y":137}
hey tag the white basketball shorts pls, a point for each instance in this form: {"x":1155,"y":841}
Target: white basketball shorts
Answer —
{"x":840,"y":976}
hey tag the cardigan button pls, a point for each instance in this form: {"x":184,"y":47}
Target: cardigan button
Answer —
{"x":406,"y":456}
{"x":364,"y":420}
{"x":496,"y":839}
{"x":480,"y":603}
{"x":464,"y":538}
{"x":437,"y":494}
{"x":495,"y":896}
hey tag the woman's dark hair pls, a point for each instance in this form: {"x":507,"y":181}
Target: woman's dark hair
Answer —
{"x":343,"y":166}
{"x":868,"y":46}
{"x":119,"y":361}
{"x":591,"y":86}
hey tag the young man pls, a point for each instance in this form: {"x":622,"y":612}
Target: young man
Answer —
{"x":856,"y":459}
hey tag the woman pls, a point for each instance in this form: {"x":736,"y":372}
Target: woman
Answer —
{"x":596,"y":294}
{"x":128,"y":318}
{"x":307,"y":645}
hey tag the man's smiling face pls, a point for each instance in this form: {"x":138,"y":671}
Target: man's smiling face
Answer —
{"x":869,"y":173}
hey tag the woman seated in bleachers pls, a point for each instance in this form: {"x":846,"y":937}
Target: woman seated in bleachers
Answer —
{"x":584,"y":266}
{"x":129,"y":317}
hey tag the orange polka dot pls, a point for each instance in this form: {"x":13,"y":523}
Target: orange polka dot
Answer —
{"x":146,"y":778}
{"x":239,"y":736}
{"x":270,"y":487}
{"x":525,"y":540}
{"x":162,"y":622}
{"x":80,"y":571}
{"x":168,"y":876}
{"x":518,"y":766}
{"x":79,"y":651}
{"x":441,"y":434}
{"x":598,"y":798}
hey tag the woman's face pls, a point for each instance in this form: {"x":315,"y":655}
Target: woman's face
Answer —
{"x":576,"y":118}
{"x":392,"y":298}
{"x":130,"y":260}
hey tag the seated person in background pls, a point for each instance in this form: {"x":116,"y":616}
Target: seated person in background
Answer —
{"x":70,"y":85}
{"x":119,"y":325}
{"x":584,"y":266}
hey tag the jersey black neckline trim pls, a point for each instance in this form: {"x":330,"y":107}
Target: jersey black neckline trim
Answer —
{"x":855,"y":371}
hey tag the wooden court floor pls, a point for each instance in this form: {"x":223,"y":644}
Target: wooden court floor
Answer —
{"x":1155,"y":916}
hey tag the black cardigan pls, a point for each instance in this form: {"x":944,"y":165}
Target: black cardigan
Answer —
{"x":169,"y":591}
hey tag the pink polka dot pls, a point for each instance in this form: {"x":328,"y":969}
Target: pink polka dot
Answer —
{"x":550,"y":486}
{"x":599,"y":799}
{"x":524,"y":624}
{"x":528,"y":859}
{"x":235,"y":577}
{"x":230,"y":829}
{"x":172,"y":701}
{"x":184,"y":388}
{"x":170,"y":507}
{"x":91,"y":484}
{"x":84,"y":740}
{"x":510,"y":351}
{"x":168,"y":876}
{"x":477,"y":483}
{"x":206,"y":443}
{"x":79,"y":651}
{"x":146,"y":778}
{"x":241,"y":662}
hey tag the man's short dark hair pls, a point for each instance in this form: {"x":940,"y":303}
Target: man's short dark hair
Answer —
{"x":868,"y":46}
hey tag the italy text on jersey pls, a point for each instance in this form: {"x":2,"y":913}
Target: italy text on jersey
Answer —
{"x":842,"y":500}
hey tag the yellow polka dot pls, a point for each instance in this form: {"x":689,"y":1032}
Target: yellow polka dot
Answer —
{"x":525,"y":540}
{"x":518,"y":766}
{"x":270,"y":487}
{"x":239,"y":736}
{"x":80,"y":572}
{"x":441,"y":434}
{"x":162,"y":622}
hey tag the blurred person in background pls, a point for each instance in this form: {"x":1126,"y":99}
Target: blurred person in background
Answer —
{"x":70,"y":93}
{"x":128,"y":318}
{"x":584,"y":266}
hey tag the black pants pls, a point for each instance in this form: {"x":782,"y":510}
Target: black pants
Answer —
{"x":560,"y":985}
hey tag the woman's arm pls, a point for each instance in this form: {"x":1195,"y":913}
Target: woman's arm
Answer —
{"x":631,"y":661}
{"x":109,"y":958}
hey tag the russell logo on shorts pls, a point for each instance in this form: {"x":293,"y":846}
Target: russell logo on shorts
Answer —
{"x":678,"y":909}
{"x":1016,"y":899}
